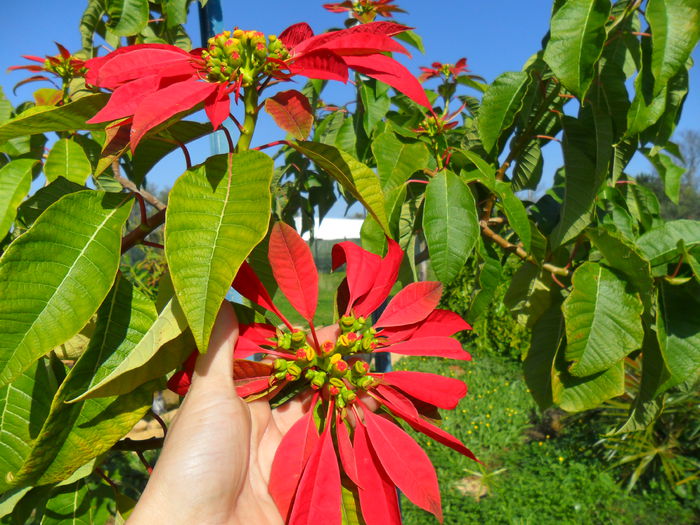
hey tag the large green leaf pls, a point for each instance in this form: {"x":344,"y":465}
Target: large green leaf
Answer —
{"x":675,"y":29}
{"x":353,"y":175}
{"x":29,"y":210}
{"x":372,"y":235}
{"x":90,"y":21}
{"x":670,"y":174}
{"x":54,"y":277}
{"x":24,"y":405}
{"x":450,"y":224}
{"x":490,"y":276}
{"x":603,"y":322}
{"x":217,"y":213}
{"x":127,"y":17}
{"x":576,"y":394}
{"x":78,"y":504}
{"x":576,"y":42}
{"x":528,"y":167}
{"x":140,"y":344}
{"x":502,"y":101}
{"x":175,"y":12}
{"x":375,"y":103}
{"x":41,"y":119}
{"x":529,"y":294}
{"x":538,"y":368}
{"x":581,"y":181}
{"x":397,"y":160}
{"x":660,"y":245}
{"x":67,"y":159}
{"x":678,"y":332}
{"x":515,"y":213}
{"x":15,"y":181}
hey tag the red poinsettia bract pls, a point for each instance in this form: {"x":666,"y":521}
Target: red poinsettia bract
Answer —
{"x":365,"y":10}
{"x":152,"y":83}
{"x":439,"y":69}
{"x":351,"y":422}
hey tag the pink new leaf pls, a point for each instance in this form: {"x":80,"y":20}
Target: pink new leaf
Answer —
{"x":292,"y":112}
{"x":405,"y":462}
{"x":294,"y":269}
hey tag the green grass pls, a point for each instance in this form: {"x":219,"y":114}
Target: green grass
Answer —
{"x":529,"y":475}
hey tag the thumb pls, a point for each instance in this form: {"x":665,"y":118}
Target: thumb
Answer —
{"x":217,"y":364}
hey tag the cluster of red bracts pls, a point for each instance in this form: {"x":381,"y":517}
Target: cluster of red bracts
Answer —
{"x":349,"y":437}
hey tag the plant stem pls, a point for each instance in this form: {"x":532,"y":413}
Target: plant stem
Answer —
{"x":137,"y":235}
{"x":136,"y":445}
{"x":250,"y":102}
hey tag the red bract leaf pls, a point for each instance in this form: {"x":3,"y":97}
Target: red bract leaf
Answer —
{"x":259,"y":333}
{"x":245,"y":348}
{"x":158,"y":107}
{"x":126,"y":99}
{"x":295,"y":34}
{"x":429,"y":346}
{"x":405,"y":462}
{"x":363,"y":44}
{"x":387,"y":70}
{"x":249,"y":286}
{"x":218,"y":106}
{"x":34,"y":58}
{"x":291,"y":457}
{"x":439,"y":322}
{"x":243,"y":368}
{"x":318,"y":497}
{"x":321,"y":64}
{"x":439,"y":435}
{"x":378,"y":498}
{"x":443,"y":392}
{"x":395,"y":398}
{"x":292,"y":112}
{"x":362,"y":269}
{"x":412,"y":304}
{"x":180,"y":382}
{"x":345,"y":451}
{"x":383,"y":282}
{"x":62,"y":50}
{"x":294,"y":269}
{"x":29,"y":67}
{"x":132,"y":62}
{"x":323,"y":40}
{"x":252,"y":386}
{"x":35,"y":78}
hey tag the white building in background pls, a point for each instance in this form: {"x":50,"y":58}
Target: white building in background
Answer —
{"x":332,"y":229}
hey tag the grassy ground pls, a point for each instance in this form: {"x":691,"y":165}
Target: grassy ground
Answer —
{"x":531,"y":474}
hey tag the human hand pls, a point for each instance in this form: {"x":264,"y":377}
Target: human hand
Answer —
{"x":216,"y":459}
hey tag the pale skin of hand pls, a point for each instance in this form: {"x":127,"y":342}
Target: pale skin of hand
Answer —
{"x":216,"y":459}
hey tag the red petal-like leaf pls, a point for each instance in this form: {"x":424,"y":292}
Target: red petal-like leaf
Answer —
{"x":158,"y":107}
{"x":412,"y":304}
{"x":126,"y":99}
{"x":133,"y":62}
{"x":318,"y":497}
{"x":292,"y":112}
{"x":362,"y":269}
{"x":363,"y":44}
{"x":378,"y":498}
{"x":405,"y":462}
{"x":34,"y":58}
{"x":180,"y":382}
{"x":323,"y":40}
{"x":295,"y":34}
{"x":321,"y":64}
{"x":294,"y":269}
{"x":62,"y":50}
{"x":384,"y":280}
{"x":259,"y":333}
{"x":29,"y":67}
{"x":291,"y":458}
{"x":35,"y":78}
{"x":439,"y":322}
{"x":245,"y":348}
{"x":249,"y":286}
{"x":242,"y":368}
{"x":252,"y":386}
{"x":387,"y":70}
{"x":346,"y":451}
{"x":218,"y":106}
{"x":429,"y":346}
{"x":393,"y":397}
{"x":441,"y":391}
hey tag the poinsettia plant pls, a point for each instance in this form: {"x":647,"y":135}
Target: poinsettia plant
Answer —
{"x":439,"y":161}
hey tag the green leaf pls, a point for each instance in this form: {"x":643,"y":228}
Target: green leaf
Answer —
{"x":603,"y":322}
{"x":581,"y":182}
{"x":10,"y":498}
{"x":538,"y":367}
{"x":450,"y":224}
{"x":576,"y":394}
{"x":490,"y":276}
{"x":175,"y":12}
{"x":412,"y":39}
{"x":372,"y":235}
{"x":35,"y":205}
{"x":529,"y":294}
{"x":354,"y":176}
{"x":660,"y":245}
{"x":54,"y":277}
{"x":90,"y":21}
{"x":397,"y":160}
{"x":577,"y":37}
{"x":678,"y":332}
{"x":375,"y":103}
{"x":127,"y":17}
{"x":217,"y":213}
{"x":643,"y":205}
{"x":15,"y":181}
{"x":670,"y":173}
{"x":622,"y":255}
{"x":41,"y":119}
{"x":515,"y":213}
{"x":24,"y":405}
{"x":78,"y":504}
{"x":139,"y":344}
{"x":528,"y":167}
{"x":675,"y":29}
{"x":5,"y":107}
{"x":67,"y":159}
{"x":501,"y":103}
{"x":350,"y":506}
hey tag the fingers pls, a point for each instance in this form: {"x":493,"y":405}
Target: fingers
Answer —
{"x":217,"y":364}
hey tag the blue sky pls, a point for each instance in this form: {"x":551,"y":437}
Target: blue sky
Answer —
{"x":495,"y":37}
